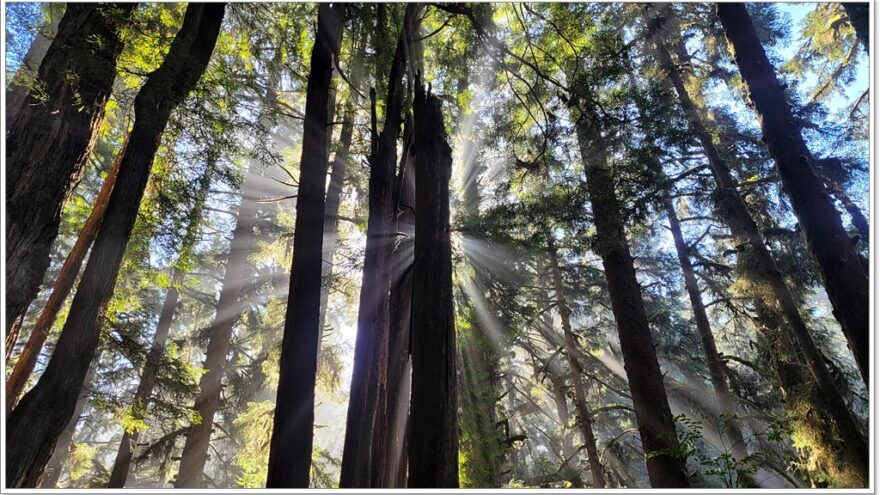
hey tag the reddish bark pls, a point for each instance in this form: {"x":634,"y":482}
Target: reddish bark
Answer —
{"x":60,"y":290}
{"x":49,"y":141}
{"x":41,"y":415}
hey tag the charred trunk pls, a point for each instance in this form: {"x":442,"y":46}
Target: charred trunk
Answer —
{"x":373,"y":319}
{"x":290,"y":455}
{"x":49,"y":142}
{"x":433,"y":440}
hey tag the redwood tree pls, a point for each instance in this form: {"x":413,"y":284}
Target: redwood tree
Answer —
{"x":34,"y":426}
{"x":290,"y":453}
{"x":49,"y":141}
{"x":61,"y":288}
{"x":433,"y":429}
{"x":373,"y":307}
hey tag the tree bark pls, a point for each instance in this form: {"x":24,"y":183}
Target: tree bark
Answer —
{"x":433,"y":440}
{"x":17,"y":89}
{"x":60,"y":290}
{"x":845,"y":279}
{"x":290,"y":455}
{"x":583,"y":409}
{"x":144,"y":393}
{"x":229,"y":309}
{"x":859,"y":16}
{"x":656,"y":426}
{"x":122,"y":464}
{"x":717,"y":373}
{"x":373,"y":325}
{"x":751,"y":247}
{"x":48,"y":143}
{"x":338,"y":171}
{"x":33,"y":427}
{"x":62,"y":448}
{"x":390,"y":418}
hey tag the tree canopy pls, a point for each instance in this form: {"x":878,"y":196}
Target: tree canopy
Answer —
{"x":476,"y":245}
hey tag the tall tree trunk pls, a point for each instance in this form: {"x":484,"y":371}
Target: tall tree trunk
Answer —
{"x":290,"y":455}
{"x":717,"y":373}
{"x":395,"y":352}
{"x":17,"y":89}
{"x":144,"y":393}
{"x":654,"y":417}
{"x":122,"y":464}
{"x":49,"y":142}
{"x":731,"y":207}
{"x":338,"y":171}
{"x":62,"y":448}
{"x":433,"y":441}
{"x":859,"y":14}
{"x":229,"y":309}
{"x":373,"y":324}
{"x":580,"y":395}
{"x":60,"y":290}
{"x":846,"y":282}
{"x":33,"y":427}
{"x":812,"y":421}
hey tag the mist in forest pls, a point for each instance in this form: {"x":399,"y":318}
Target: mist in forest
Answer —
{"x":437,"y":245}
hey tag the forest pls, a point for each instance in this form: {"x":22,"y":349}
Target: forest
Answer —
{"x":437,"y":245}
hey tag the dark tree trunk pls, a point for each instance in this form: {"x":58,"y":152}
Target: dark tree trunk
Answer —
{"x":654,"y":417}
{"x":229,"y":309}
{"x":144,"y":393}
{"x":18,"y":88}
{"x":583,"y":409}
{"x":812,"y":419}
{"x":290,"y":455}
{"x":49,"y":142}
{"x":389,"y":418}
{"x":373,"y":324}
{"x":731,"y":207}
{"x":845,"y":279}
{"x":859,"y":16}
{"x":33,"y":427}
{"x":60,"y":290}
{"x":119,"y":473}
{"x":717,"y":369}
{"x":52,"y":473}
{"x":433,"y":435}
{"x":338,"y":172}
